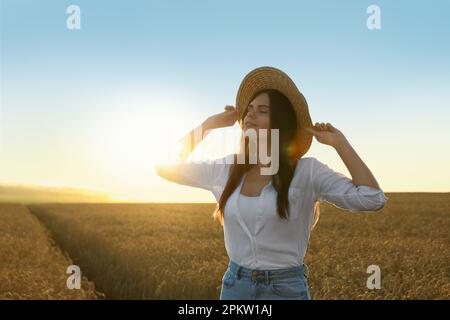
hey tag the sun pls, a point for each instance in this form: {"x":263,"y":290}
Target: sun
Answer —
{"x":137,"y":132}
{"x":131,"y":137}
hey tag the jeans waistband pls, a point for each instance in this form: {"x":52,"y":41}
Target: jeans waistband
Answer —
{"x":241,"y":271}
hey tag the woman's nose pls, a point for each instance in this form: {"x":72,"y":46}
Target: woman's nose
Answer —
{"x":251,"y":114}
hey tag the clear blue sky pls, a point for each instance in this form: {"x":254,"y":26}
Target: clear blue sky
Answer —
{"x":388,"y":90}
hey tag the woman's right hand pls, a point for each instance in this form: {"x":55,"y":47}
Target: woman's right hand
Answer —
{"x":226,"y":118}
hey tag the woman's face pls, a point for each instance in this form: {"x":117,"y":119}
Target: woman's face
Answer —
{"x":258,"y":117}
{"x":258,"y":113}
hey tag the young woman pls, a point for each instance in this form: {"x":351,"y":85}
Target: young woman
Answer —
{"x":267,"y":218}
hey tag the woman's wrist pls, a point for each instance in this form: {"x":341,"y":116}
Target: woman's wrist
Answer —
{"x":340,"y":143}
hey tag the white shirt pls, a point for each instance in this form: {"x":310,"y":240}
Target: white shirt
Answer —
{"x":247,"y":205}
{"x":276,"y":243}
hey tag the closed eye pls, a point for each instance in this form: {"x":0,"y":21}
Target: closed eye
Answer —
{"x":261,"y":109}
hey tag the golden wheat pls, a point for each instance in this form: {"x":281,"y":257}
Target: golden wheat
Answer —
{"x":31,"y":266}
{"x":176,"y":251}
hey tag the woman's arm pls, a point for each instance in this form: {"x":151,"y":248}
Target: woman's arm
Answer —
{"x":188,"y":143}
{"x":327,"y":134}
{"x":361,"y":175}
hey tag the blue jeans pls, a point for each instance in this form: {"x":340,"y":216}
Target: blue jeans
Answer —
{"x":240,"y":283}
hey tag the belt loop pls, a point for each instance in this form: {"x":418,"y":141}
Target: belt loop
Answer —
{"x":237,"y":272}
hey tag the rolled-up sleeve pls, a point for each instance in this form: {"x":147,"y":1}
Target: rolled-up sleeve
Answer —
{"x":198,"y":174}
{"x":337,"y":189}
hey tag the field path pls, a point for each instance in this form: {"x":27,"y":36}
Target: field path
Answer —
{"x":32,"y":266}
{"x":142,"y":251}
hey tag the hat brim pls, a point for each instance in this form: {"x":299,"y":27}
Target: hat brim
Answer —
{"x":264,"y":78}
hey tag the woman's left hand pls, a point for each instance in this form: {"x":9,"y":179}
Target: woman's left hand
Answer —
{"x":327,"y":134}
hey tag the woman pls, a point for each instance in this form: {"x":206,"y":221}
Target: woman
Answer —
{"x":267,"y":218}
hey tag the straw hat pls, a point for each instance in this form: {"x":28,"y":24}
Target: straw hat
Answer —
{"x":271,"y":78}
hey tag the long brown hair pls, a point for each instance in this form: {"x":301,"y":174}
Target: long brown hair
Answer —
{"x":282,"y":117}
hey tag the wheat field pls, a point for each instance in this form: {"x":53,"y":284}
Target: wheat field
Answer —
{"x":31,"y":265}
{"x":176,"y":251}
